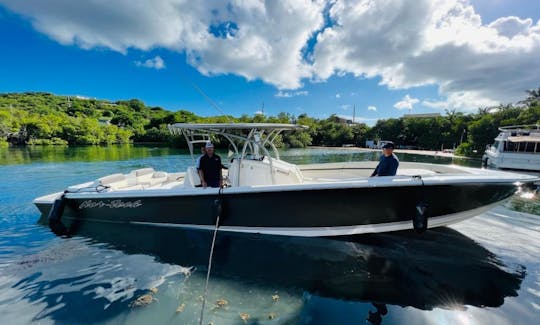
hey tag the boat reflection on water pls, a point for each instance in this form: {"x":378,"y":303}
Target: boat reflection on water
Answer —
{"x":440,"y":268}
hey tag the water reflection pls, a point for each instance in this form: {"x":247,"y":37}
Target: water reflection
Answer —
{"x":33,"y":154}
{"x":441,"y":268}
{"x":56,"y":154}
{"x":98,"y":277}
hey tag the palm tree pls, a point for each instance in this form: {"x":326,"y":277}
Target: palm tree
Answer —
{"x":533,"y":99}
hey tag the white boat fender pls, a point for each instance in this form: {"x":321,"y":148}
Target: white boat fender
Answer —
{"x":55,"y":216}
{"x":420,"y":220}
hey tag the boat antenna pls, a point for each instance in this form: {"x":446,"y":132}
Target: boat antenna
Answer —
{"x":209,"y":100}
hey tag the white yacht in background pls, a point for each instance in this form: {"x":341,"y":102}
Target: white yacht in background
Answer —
{"x":516,"y":147}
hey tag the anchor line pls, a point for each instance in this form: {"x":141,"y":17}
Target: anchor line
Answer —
{"x":211,"y":256}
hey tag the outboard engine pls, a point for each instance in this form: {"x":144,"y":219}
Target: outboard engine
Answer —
{"x":55,"y":215}
{"x":420,"y":219}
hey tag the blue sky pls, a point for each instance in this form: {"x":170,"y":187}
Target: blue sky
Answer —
{"x":52,"y":50}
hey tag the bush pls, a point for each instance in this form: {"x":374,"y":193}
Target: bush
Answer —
{"x":466,"y":149}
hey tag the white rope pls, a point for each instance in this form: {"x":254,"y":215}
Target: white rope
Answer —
{"x":209,"y":265}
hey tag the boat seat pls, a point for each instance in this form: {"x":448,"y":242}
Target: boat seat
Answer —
{"x":192,"y":178}
{"x":131,"y":187}
{"x":175,"y":177}
{"x":152,"y":179}
{"x":143,"y":171}
{"x":111,"y":179}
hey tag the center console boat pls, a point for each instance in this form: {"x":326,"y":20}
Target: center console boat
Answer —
{"x":264,"y":194}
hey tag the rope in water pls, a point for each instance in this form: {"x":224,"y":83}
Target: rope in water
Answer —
{"x":210,"y":261}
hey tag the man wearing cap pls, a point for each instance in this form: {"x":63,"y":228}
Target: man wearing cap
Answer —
{"x":210,"y":168}
{"x":388,"y":164}
{"x":203,"y":152}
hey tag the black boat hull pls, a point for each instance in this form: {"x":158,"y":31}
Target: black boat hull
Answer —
{"x":306,"y":212}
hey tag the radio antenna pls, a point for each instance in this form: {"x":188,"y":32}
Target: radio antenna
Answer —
{"x":209,"y":100}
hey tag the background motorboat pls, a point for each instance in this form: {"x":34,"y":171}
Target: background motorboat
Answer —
{"x":267,"y":195}
{"x":516,"y":147}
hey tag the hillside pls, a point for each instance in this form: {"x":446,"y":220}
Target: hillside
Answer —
{"x":43,"y":118}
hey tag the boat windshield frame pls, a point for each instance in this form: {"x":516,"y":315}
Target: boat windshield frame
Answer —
{"x":244,"y":138}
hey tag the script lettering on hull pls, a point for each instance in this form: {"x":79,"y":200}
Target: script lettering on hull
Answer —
{"x":114,"y":204}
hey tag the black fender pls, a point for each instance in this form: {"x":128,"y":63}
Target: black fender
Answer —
{"x":420,"y":219}
{"x":55,"y":216}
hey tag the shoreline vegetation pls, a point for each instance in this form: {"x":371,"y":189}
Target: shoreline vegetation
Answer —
{"x":38,"y":118}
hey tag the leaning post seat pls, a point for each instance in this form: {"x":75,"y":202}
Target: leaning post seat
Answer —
{"x":192,"y":179}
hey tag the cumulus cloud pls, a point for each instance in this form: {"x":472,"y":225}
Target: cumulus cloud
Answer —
{"x":338,"y":95}
{"x":253,"y":39}
{"x":435,"y":104}
{"x":154,"y":63}
{"x":286,"y":43}
{"x":407,"y":102}
{"x":512,"y":26}
{"x":440,"y":42}
{"x":288,"y":94}
{"x":372,"y":108}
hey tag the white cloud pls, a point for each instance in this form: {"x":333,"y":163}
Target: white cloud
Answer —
{"x":439,"y":42}
{"x":259,"y":112}
{"x":345,"y":107}
{"x":155,"y":63}
{"x":407,"y":102}
{"x":435,"y":104}
{"x":512,"y":26}
{"x":372,"y":108}
{"x":252,"y":39}
{"x":288,"y":94}
{"x":338,"y":95}
{"x":406,"y":44}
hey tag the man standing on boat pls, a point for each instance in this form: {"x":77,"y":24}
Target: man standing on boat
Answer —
{"x":203,"y":152}
{"x":210,"y":168}
{"x":388,"y":164}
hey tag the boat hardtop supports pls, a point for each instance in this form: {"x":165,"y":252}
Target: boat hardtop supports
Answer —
{"x":252,"y":138}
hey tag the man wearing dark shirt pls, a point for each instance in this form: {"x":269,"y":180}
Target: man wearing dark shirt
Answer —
{"x":210,"y":168}
{"x":388,"y":164}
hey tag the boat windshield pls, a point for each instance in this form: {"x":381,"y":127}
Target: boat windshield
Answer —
{"x":246,"y":140}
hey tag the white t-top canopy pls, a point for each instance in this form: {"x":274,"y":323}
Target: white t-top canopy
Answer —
{"x":237,"y":126}
{"x":245,"y":138}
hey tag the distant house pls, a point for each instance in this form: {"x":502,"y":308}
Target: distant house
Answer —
{"x":343,"y":120}
{"x":104,"y":121}
{"x":425,"y":115}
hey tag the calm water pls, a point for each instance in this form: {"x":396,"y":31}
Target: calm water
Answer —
{"x":484,"y":270}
